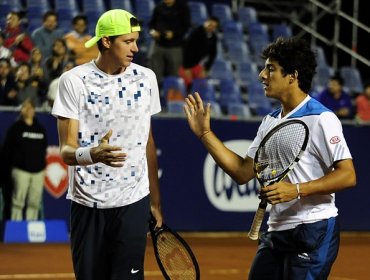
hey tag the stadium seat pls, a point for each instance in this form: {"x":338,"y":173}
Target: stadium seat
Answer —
{"x":198,"y":12}
{"x":65,"y":17}
{"x":67,"y":5}
{"x":229,"y":92}
{"x":97,"y":6}
{"x":7,"y":6}
{"x":38,"y":3}
{"x":220,"y":69}
{"x":352,"y":79}
{"x":238,"y":109}
{"x":247,"y":15}
{"x":204,"y":88}
{"x":238,"y":51}
{"x":281,"y":30}
{"x":173,"y":91}
{"x":222,"y":12}
{"x":144,"y":10}
{"x":321,"y":78}
{"x":320,"y":56}
{"x":246,"y":73}
{"x":232,"y":32}
{"x":122,"y":4}
{"x":258,"y":39}
{"x":257,"y":100}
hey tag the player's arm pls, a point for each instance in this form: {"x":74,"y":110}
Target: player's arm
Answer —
{"x":155,"y":197}
{"x":342,"y":176}
{"x":70,"y":150}
{"x":240,"y":169}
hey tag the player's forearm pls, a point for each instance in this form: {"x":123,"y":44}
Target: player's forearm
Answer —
{"x":151,"y":153}
{"x":235,"y":166}
{"x":342,"y":177}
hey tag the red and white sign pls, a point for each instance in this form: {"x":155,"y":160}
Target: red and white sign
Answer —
{"x":56,"y":173}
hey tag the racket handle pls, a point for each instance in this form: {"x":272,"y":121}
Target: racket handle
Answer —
{"x":257,"y":221}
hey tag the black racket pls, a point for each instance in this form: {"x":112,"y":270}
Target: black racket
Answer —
{"x":174,"y":256}
{"x":277,"y":154}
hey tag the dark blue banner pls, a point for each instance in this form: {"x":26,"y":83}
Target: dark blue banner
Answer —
{"x":196,"y":194}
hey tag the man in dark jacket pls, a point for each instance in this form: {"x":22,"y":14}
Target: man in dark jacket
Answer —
{"x":200,"y":51}
{"x":168,"y":26}
{"x":25,"y":150}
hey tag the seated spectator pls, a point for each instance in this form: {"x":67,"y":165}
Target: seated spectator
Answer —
{"x":16,"y":39}
{"x":44,"y":36}
{"x":53,"y":86}
{"x":4,"y":52}
{"x":336,"y":99}
{"x":55,"y":63}
{"x":24,"y":86}
{"x":37,"y":72}
{"x":76,"y":39}
{"x":8,"y":94}
{"x":200,"y":50}
{"x":363,"y":105}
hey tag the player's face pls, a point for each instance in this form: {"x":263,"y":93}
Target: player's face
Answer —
{"x":123,"y":48}
{"x":274,"y":80}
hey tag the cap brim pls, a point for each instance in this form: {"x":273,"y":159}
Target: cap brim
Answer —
{"x":92,"y":42}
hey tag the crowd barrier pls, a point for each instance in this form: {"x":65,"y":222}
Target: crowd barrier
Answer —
{"x":196,"y":194}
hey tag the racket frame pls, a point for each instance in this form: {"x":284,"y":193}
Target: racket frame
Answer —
{"x":261,"y":210}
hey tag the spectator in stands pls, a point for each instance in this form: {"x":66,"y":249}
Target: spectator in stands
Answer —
{"x":53,"y":86}
{"x":55,"y":63}
{"x":200,"y":50}
{"x":169,"y":24}
{"x":336,"y":99}
{"x":37,"y":71}
{"x":76,"y":40}
{"x":25,"y":149}
{"x":16,"y":39}
{"x":8,"y":94}
{"x":363,"y":105}
{"x":4,"y":52}
{"x":25,"y":87}
{"x":44,"y":36}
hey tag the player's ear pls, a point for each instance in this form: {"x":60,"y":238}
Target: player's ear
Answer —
{"x":293,"y":76}
{"x":106,"y":42}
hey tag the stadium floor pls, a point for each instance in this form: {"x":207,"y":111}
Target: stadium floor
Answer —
{"x":221,"y":256}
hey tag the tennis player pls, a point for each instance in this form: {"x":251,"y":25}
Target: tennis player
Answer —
{"x":303,"y":235}
{"x":104,"y":110}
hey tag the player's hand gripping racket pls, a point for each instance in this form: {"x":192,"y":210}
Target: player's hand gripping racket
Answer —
{"x":174,"y":256}
{"x":277,"y":154}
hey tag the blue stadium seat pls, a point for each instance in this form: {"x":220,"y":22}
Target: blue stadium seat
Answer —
{"x":320,"y":56}
{"x":322,"y":77}
{"x":258,"y":39}
{"x":222,"y":12}
{"x":229,"y":92}
{"x":232,"y":32}
{"x":247,"y":15}
{"x":122,"y":4}
{"x":65,"y":16}
{"x":238,"y":51}
{"x":176,"y":107}
{"x":198,"y":12}
{"x":221,"y":69}
{"x":7,"y":6}
{"x":67,"y":5}
{"x":246,"y":73}
{"x":38,"y":3}
{"x":257,"y":100}
{"x":144,"y":10}
{"x":238,"y":109}
{"x":281,"y":30}
{"x":352,"y":79}
{"x":97,"y":6}
{"x":204,"y":88}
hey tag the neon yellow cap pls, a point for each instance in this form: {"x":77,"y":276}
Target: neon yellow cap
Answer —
{"x":113,"y":23}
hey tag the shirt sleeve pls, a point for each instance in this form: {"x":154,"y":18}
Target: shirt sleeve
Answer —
{"x":66,"y":103}
{"x":328,"y":139}
{"x":155,"y":104}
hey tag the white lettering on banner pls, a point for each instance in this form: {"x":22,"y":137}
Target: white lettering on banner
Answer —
{"x":224,"y":193}
{"x":33,"y":135}
{"x":36,"y":231}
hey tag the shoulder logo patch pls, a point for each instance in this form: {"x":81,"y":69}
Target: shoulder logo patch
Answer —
{"x":334,"y":140}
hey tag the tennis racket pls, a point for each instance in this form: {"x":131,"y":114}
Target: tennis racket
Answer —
{"x":278,"y":153}
{"x":174,"y":256}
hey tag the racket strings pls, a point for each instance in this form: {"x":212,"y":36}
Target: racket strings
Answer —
{"x":175,"y":258}
{"x":280,"y":151}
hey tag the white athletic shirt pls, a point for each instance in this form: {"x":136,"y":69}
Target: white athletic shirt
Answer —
{"x":326,"y":145}
{"x":123,"y":103}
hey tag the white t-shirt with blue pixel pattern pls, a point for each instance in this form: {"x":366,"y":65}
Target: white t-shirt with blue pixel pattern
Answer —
{"x":123,"y":103}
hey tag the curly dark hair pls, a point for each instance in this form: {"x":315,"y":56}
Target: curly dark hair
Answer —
{"x":293,"y":54}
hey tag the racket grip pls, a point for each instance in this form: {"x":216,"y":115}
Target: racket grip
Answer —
{"x":257,"y":221}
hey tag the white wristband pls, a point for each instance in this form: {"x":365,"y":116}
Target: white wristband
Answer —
{"x":83,"y":156}
{"x":298,"y":191}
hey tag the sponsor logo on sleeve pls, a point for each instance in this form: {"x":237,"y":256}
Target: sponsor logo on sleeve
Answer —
{"x":334,"y":140}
